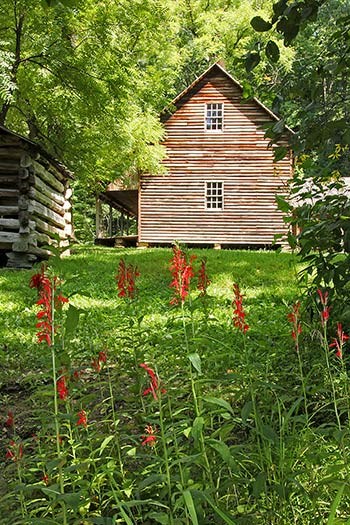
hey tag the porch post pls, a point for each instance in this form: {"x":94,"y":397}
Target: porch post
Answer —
{"x":98,"y":218}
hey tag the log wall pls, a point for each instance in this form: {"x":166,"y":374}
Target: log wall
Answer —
{"x":172,"y":207}
{"x":34,"y":203}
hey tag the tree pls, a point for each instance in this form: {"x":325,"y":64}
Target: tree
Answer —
{"x":316,"y":94}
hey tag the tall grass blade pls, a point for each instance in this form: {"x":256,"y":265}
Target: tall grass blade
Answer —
{"x":190,"y":506}
{"x":335,"y":505}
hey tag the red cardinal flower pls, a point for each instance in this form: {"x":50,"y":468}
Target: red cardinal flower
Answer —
{"x":126,"y":280}
{"x":182,"y":272}
{"x":150,"y":439}
{"x":14,"y":451}
{"x":338,"y":342}
{"x":239,"y":314}
{"x":326,"y":309}
{"x":82,"y":419}
{"x":10,"y":421}
{"x":46,"y":287}
{"x":96,"y":363}
{"x":293,"y":317}
{"x":62,"y":388}
{"x":154,"y":387}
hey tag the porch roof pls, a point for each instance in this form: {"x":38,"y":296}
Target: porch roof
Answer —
{"x":123,"y":200}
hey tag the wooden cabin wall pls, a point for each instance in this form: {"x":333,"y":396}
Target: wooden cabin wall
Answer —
{"x":172,"y":207}
{"x":34,"y":204}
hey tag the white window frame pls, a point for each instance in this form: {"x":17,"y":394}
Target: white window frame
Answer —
{"x":208,"y":188}
{"x":215,"y":119}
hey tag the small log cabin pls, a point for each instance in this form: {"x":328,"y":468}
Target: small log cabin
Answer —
{"x":221,"y":176}
{"x":35,"y":208}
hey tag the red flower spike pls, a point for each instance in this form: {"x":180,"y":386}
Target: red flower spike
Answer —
{"x":182,"y":272}
{"x":62,"y":388}
{"x":326,"y":309}
{"x":338,"y":342}
{"x":9,"y":454}
{"x":10,"y":421}
{"x":46,"y":289}
{"x":126,"y":280}
{"x":154,"y":387}
{"x":239,"y":314}
{"x":150,"y":439}
{"x":14,"y":451}
{"x":293,"y":317}
{"x":82,"y":418}
{"x":102,"y":357}
{"x":95,"y":363}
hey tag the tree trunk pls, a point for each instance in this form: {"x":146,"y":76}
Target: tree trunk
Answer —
{"x":18,"y":30}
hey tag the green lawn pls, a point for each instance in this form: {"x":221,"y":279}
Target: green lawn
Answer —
{"x":244,"y":429}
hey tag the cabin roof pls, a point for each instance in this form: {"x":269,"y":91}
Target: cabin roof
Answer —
{"x":214,"y":68}
{"x":58,"y":165}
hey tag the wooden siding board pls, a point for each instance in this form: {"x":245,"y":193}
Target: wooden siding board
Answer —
{"x":173,"y":206}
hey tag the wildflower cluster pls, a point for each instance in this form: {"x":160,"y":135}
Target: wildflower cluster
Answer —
{"x":126,"y":279}
{"x":182,"y":272}
{"x":48,"y":302}
{"x":239,"y":314}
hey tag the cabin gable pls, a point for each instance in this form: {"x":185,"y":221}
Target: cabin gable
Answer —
{"x":236,"y":159}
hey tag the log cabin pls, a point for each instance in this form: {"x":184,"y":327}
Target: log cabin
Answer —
{"x":35,"y":208}
{"x":221,"y":178}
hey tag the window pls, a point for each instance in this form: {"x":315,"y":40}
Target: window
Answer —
{"x":214,"y":195}
{"x":214,"y":114}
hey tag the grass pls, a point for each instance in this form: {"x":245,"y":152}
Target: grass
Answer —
{"x":245,"y":433}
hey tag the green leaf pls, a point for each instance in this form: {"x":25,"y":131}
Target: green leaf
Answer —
{"x":278,"y":128}
{"x":159,"y":517}
{"x":72,"y":320}
{"x":246,"y":411}
{"x":196,"y":362}
{"x":282,"y":204}
{"x":260,"y":25}
{"x":72,"y":499}
{"x":190,"y":506}
{"x":251,"y":61}
{"x":279,"y":153}
{"x":272,"y":51}
{"x":197,"y":428}
{"x":104,"y":443}
{"x":223,"y":450}
{"x":219,"y":402}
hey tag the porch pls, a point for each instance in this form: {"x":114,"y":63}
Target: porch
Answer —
{"x":116,"y":216}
